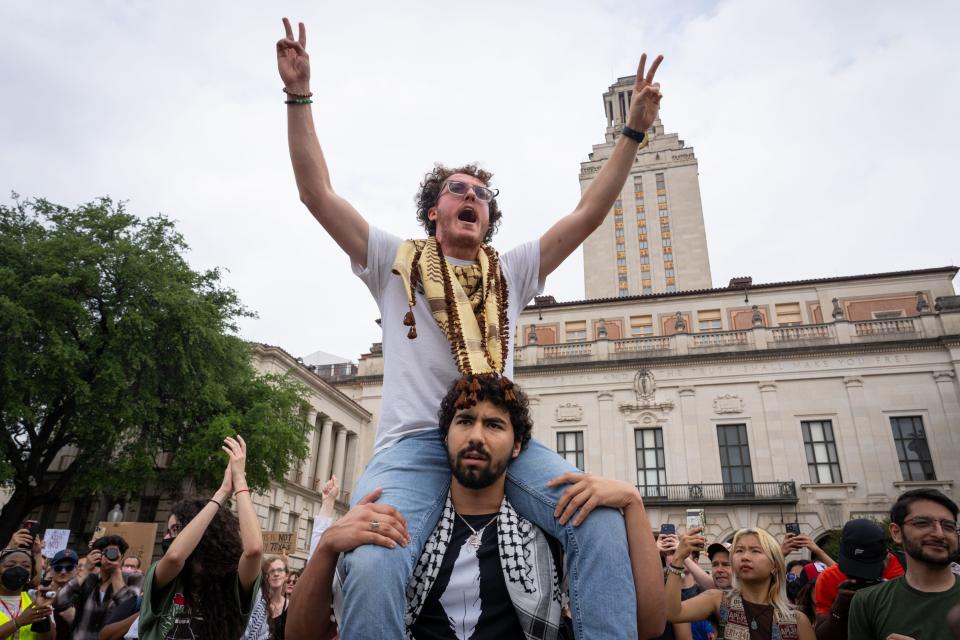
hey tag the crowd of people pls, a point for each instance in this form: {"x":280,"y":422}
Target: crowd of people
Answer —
{"x":485,"y":568}
{"x":462,"y":526}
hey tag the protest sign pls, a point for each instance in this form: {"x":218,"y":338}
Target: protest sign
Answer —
{"x":55,"y":540}
{"x":141,"y":536}
{"x":276,"y":542}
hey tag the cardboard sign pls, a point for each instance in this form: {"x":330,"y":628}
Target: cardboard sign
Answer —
{"x":141,"y":536}
{"x":276,"y":542}
{"x":55,"y":540}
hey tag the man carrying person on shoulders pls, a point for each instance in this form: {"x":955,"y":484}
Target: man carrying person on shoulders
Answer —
{"x":485,"y":571}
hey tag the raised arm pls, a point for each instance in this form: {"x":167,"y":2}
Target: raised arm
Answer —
{"x":250,"y":535}
{"x":570,"y":232}
{"x":172,"y":562}
{"x":308,"y":615}
{"x":344,"y":224}
{"x":699,"y":607}
{"x":585,"y":493}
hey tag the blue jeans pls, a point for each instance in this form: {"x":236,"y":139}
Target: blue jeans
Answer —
{"x":415,"y":477}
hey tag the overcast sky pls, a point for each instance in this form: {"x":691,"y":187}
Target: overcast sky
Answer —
{"x":826,"y":132}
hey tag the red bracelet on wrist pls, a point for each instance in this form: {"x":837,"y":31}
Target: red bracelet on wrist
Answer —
{"x":241,"y":491}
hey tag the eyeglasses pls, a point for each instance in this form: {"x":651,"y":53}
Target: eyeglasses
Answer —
{"x":948,"y":526}
{"x":63,"y":568}
{"x":460,"y":188}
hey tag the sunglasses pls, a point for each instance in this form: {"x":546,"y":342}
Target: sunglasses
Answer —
{"x":460,"y":189}
{"x":63,"y":568}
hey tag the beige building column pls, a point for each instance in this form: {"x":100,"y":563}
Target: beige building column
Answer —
{"x":308,"y":466}
{"x":872,"y":464}
{"x":351,"y":462}
{"x":339,"y":454}
{"x":691,"y":440}
{"x":769,"y":451}
{"x":325,"y":453}
{"x":950,"y":437}
{"x":609,"y":453}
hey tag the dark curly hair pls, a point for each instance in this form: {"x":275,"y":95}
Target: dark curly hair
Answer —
{"x":210,"y":573}
{"x":496,"y":389}
{"x":111,"y":541}
{"x":430,"y":191}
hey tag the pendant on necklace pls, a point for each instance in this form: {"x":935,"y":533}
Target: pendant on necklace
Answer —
{"x":753,"y":625}
{"x":474,"y":541}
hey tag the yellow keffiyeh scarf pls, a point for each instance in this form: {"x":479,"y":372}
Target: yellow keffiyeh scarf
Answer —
{"x":477,"y":332}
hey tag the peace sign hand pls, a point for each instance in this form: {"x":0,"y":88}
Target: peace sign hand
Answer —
{"x":645,"y":104}
{"x":293,"y":61}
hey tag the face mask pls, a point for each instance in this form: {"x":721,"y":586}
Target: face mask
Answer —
{"x":14,"y":578}
{"x":165,"y":544}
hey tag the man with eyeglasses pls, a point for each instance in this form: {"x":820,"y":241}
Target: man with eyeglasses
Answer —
{"x":915,"y":605}
{"x":449,"y":304}
{"x":93,"y":597}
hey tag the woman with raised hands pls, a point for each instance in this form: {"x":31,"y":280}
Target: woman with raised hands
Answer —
{"x":208,"y":580}
{"x":757,"y":607}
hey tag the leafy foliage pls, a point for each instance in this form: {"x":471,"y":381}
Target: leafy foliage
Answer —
{"x":114,"y":350}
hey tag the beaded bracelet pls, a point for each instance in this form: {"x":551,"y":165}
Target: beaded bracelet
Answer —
{"x":297,"y":95}
{"x":298,"y":101}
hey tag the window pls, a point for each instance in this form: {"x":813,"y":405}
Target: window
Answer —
{"x":912,"y":450}
{"x":671,"y":288}
{"x":647,"y":290}
{"x":669,"y":273}
{"x":570,"y":447}
{"x":708,"y":320}
{"x":788,"y":313}
{"x":148,"y":509}
{"x":619,"y":230}
{"x":576,"y":331}
{"x":643,"y":244}
{"x":644,"y":259}
{"x":735,"y":460}
{"x":273,"y":518}
{"x":821,"y":451}
{"x":651,"y":467}
{"x":621,"y":262}
{"x":641,"y":325}
{"x":661,"y":198}
{"x":666,"y":241}
{"x":293,"y":526}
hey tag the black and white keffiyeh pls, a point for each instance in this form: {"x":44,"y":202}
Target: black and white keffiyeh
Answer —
{"x":526,"y":559}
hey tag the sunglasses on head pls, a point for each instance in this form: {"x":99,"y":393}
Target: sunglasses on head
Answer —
{"x":460,"y":188}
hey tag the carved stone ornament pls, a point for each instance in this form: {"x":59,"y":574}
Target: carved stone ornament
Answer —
{"x":922,"y":305}
{"x":644,"y":385}
{"x":569,"y":412}
{"x":756,"y":318}
{"x":680,"y":325}
{"x":728,"y":404}
{"x":837,"y":310}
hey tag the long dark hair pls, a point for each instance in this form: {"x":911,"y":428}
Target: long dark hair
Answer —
{"x":210,"y":573}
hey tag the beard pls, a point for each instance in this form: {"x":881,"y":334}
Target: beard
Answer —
{"x":476,"y":477}
{"x":914,"y":549}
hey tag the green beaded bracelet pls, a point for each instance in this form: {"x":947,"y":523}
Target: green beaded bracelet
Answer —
{"x":299,"y":101}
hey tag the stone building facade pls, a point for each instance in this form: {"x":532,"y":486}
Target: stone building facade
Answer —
{"x":811,"y":401}
{"x":654,"y":238}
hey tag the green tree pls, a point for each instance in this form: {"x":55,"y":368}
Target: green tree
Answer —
{"x":115,"y":352}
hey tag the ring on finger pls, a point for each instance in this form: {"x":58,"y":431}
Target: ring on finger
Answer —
{"x":374,"y":525}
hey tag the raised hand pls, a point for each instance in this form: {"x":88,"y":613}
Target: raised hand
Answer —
{"x":226,"y":486}
{"x":667,"y":544}
{"x":32,"y":614}
{"x":236,"y":448}
{"x":689,"y":542}
{"x":645,"y":104}
{"x":293,"y":61}
{"x":366,"y":523}
{"x":331,"y":490}
{"x":587,"y":492}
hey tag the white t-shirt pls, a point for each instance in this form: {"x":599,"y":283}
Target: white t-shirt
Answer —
{"x":418,"y":372}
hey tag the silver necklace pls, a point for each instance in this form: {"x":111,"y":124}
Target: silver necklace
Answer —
{"x":474,"y":538}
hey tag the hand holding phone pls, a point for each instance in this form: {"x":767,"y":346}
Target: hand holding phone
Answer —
{"x":792,"y":528}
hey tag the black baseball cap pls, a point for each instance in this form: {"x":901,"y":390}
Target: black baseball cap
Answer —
{"x":65,"y":556}
{"x":863,"y":550}
{"x":716,"y":548}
